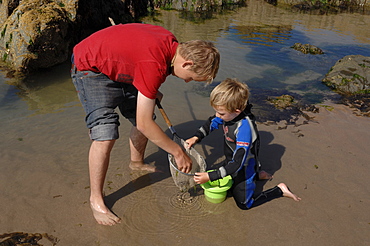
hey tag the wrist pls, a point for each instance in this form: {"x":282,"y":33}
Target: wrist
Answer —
{"x":177,"y":151}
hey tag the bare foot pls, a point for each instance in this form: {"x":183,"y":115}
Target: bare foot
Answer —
{"x":288,"y":193}
{"x":104,"y":216}
{"x":264,"y":175}
{"x":140,"y":165}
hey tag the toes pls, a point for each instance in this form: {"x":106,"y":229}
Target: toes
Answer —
{"x":104,"y":216}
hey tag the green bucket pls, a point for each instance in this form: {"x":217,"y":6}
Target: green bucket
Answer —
{"x":216,"y":191}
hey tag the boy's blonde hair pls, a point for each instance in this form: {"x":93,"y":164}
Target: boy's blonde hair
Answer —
{"x":204,"y":55}
{"x":231,"y":94}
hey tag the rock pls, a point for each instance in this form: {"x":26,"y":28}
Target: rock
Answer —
{"x":350,"y":75}
{"x":307,"y":49}
{"x":196,"y":5}
{"x":40,"y":34}
{"x":282,"y":102}
{"x":35,"y":36}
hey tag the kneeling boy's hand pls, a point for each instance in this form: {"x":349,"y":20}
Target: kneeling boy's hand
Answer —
{"x":201,"y":178}
{"x":191,"y":141}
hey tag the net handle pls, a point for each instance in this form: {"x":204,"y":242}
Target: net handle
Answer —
{"x":172,"y":129}
{"x":165,"y":117}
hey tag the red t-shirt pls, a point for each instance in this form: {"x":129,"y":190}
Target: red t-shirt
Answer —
{"x":136,"y":53}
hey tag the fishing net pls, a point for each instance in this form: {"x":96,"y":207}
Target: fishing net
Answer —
{"x":185,"y":181}
{"x":182,"y":180}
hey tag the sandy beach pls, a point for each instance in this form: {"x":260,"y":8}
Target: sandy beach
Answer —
{"x":45,"y":187}
{"x":44,"y":183}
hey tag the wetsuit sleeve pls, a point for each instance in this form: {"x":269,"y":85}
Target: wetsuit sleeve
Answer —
{"x":243,"y":144}
{"x":210,"y":125}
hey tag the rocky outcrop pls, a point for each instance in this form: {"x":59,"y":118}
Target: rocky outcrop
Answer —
{"x":350,"y":75}
{"x":320,"y":4}
{"x":307,"y":49}
{"x":35,"y":36}
{"x":282,"y":101}
{"x":195,"y":5}
{"x":41,"y":33}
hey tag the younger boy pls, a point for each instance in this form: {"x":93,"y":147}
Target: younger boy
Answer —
{"x":230,"y":101}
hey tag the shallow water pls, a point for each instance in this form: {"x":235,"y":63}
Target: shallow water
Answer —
{"x":254,"y":42}
{"x":44,"y":141}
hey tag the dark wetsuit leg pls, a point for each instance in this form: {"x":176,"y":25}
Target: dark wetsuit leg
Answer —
{"x":266,"y":196}
{"x":259,"y":199}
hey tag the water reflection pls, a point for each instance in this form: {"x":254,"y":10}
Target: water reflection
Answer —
{"x":48,"y":91}
{"x":262,"y":35}
{"x":254,"y":42}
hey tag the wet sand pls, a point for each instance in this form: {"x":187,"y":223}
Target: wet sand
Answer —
{"x":43,"y":156}
{"x":45,"y":187}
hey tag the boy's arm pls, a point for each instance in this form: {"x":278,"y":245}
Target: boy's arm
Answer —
{"x":232,"y":167}
{"x":243,"y":144}
{"x":203,"y":131}
{"x":210,"y":125}
{"x":147,"y":126}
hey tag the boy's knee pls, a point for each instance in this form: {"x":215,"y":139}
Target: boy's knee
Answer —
{"x":104,"y":132}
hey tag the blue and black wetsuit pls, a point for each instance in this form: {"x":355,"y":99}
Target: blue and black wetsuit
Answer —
{"x":241,"y":146}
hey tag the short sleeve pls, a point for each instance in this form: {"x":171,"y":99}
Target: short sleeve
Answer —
{"x":148,"y":78}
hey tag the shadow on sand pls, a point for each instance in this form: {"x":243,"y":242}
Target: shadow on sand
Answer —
{"x":212,"y":151}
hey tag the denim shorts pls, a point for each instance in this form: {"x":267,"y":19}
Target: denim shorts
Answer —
{"x":100,"y":96}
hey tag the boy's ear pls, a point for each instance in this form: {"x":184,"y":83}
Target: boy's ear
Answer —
{"x":187,"y":64}
{"x":238,"y":111}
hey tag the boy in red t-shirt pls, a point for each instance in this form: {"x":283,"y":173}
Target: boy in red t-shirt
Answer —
{"x":123,"y":66}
